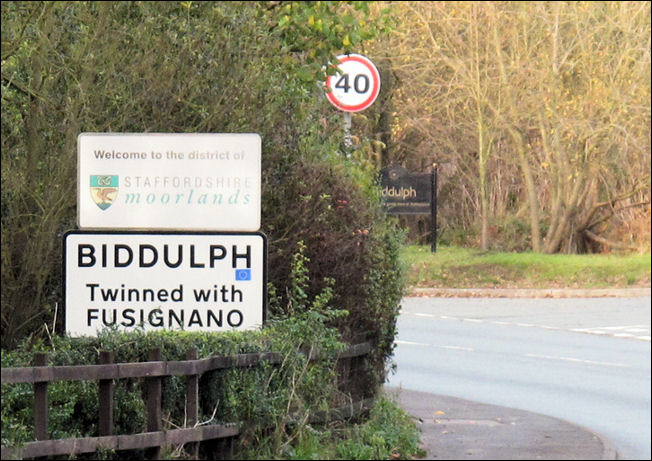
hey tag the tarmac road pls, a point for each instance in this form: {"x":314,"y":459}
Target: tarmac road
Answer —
{"x":584,"y":360}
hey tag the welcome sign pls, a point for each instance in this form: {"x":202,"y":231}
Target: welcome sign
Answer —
{"x":167,"y":181}
{"x":203,"y":281}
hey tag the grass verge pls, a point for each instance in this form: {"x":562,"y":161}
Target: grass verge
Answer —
{"x":455,"y":267}
{"x":388,"y":433}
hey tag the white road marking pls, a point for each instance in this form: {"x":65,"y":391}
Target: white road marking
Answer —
{"x":455,"y":348}
{"x":410,"y":343}
{"x":602,"y":331}
{"x":592,"y":332}
{"x":628,"y":331}
{"x":576,"y":360}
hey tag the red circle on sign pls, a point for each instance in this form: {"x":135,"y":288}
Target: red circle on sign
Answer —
{"x":375,"y":87}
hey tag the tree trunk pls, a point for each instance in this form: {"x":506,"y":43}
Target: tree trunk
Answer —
{"x":483,"y":154}
{"x":530,"y":188}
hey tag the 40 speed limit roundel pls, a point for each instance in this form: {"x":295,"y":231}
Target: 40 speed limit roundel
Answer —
{"x":356,"y":84}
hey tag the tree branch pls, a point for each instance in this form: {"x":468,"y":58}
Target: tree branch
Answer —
{"x":609,"y":216}
{"x":610,"y":243}
{"x":611,"y":204}
{"x":23,"y":89}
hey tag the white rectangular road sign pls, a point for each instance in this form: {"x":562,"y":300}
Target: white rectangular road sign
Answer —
{"x":164,"y":280}
{"x":169,"y":181}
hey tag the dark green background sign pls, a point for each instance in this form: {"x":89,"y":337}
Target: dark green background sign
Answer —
{"x":404,"y":192}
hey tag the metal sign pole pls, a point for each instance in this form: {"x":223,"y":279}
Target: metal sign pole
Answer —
{"x":433,"y":207}
{"x":347,"y":131}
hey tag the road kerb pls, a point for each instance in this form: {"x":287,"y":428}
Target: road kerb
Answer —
{"x":529,"y":292}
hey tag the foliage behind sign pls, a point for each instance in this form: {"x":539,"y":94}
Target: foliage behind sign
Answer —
{"x":159,"y":67}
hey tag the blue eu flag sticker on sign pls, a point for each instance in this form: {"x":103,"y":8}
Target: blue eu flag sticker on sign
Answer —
{"x":242,"y":275}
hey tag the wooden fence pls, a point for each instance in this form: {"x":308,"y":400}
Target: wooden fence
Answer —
{"x":154,"y":372}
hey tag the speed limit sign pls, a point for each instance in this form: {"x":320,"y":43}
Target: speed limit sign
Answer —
{"x":356,"y":84}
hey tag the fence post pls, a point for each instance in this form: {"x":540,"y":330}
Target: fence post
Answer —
{"x":192,"y":403}
{"x":106,"y":397}
{"x":41,"y":401}
{"x":225,"y":449}
{"x":154,"y":404}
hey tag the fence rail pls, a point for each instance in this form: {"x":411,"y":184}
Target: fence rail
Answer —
{"x":153,"y":371}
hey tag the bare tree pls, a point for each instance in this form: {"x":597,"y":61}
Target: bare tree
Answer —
{"x":560,"y":91}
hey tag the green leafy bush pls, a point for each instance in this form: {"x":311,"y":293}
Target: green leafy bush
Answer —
{"x":220,"y":67}
{"x":264,"y":397}
{"x":175,"y":67}
{"x":387,"y":433}
{"x":279,"y":397}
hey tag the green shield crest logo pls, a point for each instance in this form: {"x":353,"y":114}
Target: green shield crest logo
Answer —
{"x":104,"y":190}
